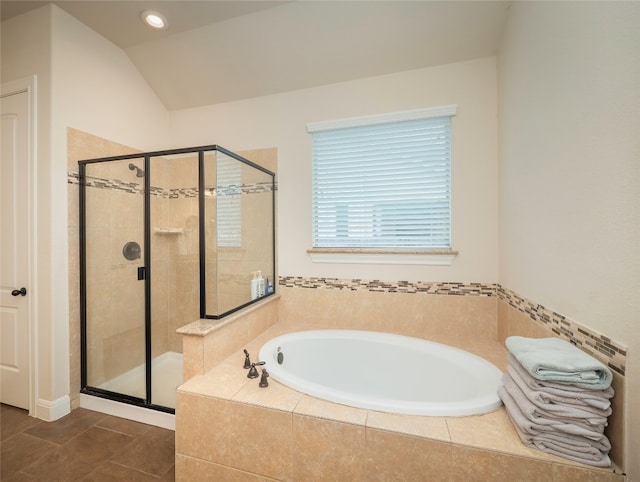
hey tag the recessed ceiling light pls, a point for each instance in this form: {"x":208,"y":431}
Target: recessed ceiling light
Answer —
{"x":154,"y":19}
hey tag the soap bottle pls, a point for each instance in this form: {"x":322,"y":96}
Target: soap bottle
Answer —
{"x":268,"y":289}
{"x":260,"y":284}
{"x":254,"y":285}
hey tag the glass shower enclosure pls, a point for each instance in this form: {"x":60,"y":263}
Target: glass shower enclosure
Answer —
{"x":166,"y":238}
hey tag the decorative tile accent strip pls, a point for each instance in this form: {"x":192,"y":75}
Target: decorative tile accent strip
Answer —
{"x":448,"y":288}
{"x":189,"y":192}
{"x":599,"y":346}
{"x":114,"y":184}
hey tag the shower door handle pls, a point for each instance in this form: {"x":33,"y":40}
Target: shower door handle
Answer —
{"x":21,"y":292}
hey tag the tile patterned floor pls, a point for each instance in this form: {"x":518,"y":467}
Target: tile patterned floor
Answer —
{"x":83,"y":446}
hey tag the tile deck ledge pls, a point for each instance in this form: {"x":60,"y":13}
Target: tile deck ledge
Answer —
{"x":204,"y":327}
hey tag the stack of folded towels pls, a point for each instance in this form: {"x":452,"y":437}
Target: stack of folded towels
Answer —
{"x":558,"y":398}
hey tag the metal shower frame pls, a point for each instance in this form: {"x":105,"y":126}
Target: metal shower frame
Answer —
{"x":146,"y":269}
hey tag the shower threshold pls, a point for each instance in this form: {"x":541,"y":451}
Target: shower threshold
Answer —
{"x":166,"y":370}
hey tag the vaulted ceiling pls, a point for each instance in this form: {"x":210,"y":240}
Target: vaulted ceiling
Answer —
{"x":220,"y":51}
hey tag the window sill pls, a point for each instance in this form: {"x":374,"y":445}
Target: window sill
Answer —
{"x":433,"y":257}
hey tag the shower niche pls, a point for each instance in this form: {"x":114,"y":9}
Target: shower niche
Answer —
{"x":166,"y":238}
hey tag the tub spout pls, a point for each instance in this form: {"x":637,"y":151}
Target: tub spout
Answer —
{"x":263,"y":379}
{"x":253,"y":371}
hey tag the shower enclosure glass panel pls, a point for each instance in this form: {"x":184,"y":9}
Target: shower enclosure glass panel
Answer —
{"x":239,"y":234}
{"x":173,"y":266}
{"x":166,"y":238}
{"x":114,"y":254}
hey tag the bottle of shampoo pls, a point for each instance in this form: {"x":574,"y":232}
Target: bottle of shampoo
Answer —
{"x":254,"y":285}
{"x":268,"y":289}
{"x":260,"y":284}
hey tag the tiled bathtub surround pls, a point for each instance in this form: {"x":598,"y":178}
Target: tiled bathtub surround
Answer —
{"x":608,"y":351}
{"x":421,"y":309}
{"x":228,"y":428}
{"x":447,"y":312}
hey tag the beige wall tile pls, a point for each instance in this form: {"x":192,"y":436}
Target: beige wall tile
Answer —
{"x":267,"y":158}
{"x":429,"y":427}
{"x":274,"y":396}
{"x":426,"y":316}
{"x":315,"y":407}
{"x":327,"y":450}
{"x":224,"y":381}
{"x":392,"y":456}
{"x":569,"y":473}
{"x":202,"y":427}
{"x":193,"y":356}
{"x":123,"y":352}
{"x":223,"y":342}
{"x":189,"y":469}
{"x":493,"y":430}
{"x":473,"y":465}
{"x":503,"y":321}
{"x":260,"y":437}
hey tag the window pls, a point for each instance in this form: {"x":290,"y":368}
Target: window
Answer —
{"x":383,"y":182}
{"x":229,"y":201}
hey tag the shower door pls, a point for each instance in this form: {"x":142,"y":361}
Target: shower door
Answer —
{"x":114,"y":301}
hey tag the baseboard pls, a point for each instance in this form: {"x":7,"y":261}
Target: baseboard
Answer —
{"x":53,"y":410}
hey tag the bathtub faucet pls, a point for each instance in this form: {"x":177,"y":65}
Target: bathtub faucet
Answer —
{"x":253,"y":371}
{"x":263,"y":379}
{"x":247,"y":361}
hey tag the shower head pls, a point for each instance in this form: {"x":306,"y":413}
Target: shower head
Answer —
{"x":139,"y":172}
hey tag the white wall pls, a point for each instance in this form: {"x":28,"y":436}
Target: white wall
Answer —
{"x":280,"y":121}
{"x":26,"y":52}
{"x":569,"y":109}
{"x":87,"y":83}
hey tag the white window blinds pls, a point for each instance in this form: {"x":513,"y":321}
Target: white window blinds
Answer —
{"x":383,"y":181}
{"x":229,"y":201}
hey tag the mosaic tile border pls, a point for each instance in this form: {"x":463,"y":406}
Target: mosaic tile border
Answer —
{"x":448,"y":288}
{"x":597,"y":345}
{"x":138,"y":188}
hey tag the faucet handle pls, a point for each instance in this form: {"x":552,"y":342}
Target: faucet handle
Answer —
{"x":253,"y":371}
{"x":247,"y":361}
{"x":263,"y":379}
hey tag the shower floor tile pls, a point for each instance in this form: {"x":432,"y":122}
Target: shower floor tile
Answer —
{"x":83,"y":446}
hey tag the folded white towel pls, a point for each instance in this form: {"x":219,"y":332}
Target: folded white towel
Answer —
{"x":556,"y":360}
{"x":550,"y":392}
{"x":536,"y":421}
{"x":567,"y":446}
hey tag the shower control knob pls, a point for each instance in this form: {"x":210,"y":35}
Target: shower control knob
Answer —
{"x":21,"y":292}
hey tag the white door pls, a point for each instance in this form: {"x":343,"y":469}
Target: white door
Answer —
{"x":14,"y":257}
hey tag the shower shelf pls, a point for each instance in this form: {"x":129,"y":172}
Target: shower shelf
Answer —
{"x":168,"y":230}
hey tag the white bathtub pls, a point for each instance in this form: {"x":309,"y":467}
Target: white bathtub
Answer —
{"x":384,"y":372}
